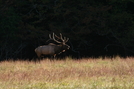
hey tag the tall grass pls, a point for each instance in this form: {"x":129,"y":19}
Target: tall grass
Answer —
{"x":68,"y":74}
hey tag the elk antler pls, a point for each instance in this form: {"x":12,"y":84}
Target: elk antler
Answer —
{"x":63,"y":40}
{"x":53,"y":38}
{"x":66,"y":40}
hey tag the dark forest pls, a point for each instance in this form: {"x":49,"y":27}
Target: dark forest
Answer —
{"x":94,"y":27}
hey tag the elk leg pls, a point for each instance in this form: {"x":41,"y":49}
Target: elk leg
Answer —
{"x":39,"y":55}
{"x":54,"y":56}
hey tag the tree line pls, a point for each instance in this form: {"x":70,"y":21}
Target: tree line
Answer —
{"x":94,"y":27}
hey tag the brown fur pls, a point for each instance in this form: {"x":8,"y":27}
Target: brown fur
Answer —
{"x":50,"y":49}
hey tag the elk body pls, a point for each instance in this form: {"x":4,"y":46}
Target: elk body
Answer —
{"x":53,"y":49}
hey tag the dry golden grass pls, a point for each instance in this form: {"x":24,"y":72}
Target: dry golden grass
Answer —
{"x":68,"y":74}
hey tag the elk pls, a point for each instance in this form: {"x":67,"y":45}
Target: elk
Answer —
{"x":53,"y":49}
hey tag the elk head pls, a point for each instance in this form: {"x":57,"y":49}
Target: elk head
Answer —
{"x":63,"y":42}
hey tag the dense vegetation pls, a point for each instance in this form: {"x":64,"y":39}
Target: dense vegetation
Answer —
{"x":95,"y":27}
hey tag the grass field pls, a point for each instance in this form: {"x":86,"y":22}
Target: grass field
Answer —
{"x":68,"y":74}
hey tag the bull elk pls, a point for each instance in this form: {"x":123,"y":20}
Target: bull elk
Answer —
{"x":53,"y":49}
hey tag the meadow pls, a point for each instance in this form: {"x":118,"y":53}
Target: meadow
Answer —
{"x":86,"y":73}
